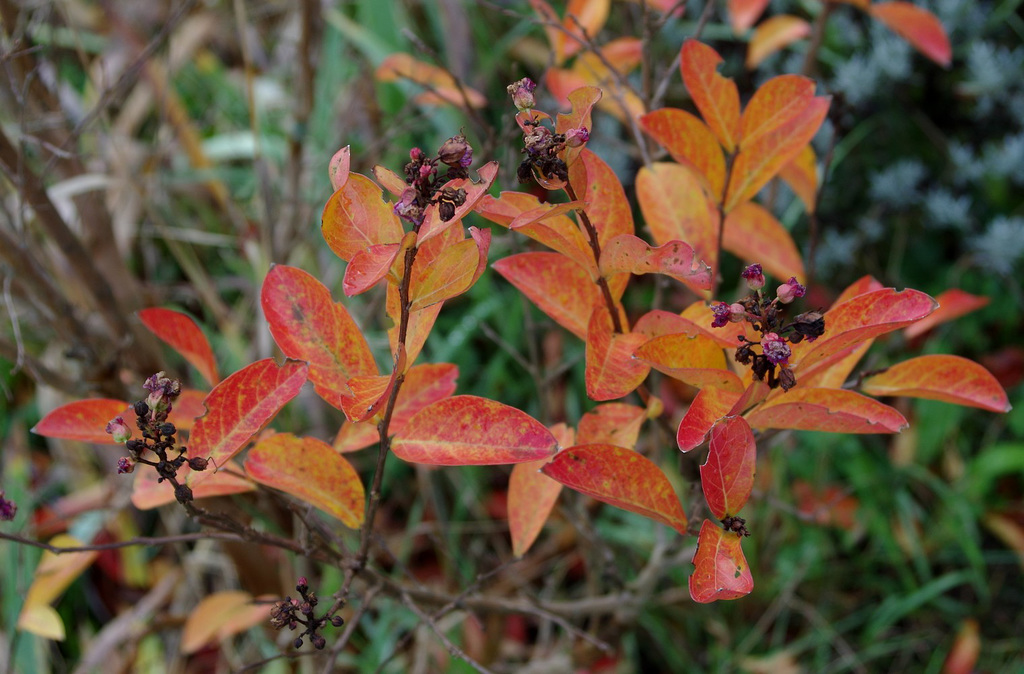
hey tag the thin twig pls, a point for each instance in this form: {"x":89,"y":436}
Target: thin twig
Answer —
{"x":453,"y":650}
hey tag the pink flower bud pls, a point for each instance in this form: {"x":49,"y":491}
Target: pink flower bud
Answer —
{"x":119,"y":429}
{"x":754,"y":276}
{"x":522,"y":93}
{"x":577,"y":137}
{"x":790,"y":290}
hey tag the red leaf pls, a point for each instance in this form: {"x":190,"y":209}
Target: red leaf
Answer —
{"x":963,"y":656}
{"x":187,"y":408}
{"x":721,"y":571}
{"x":676,"y":208}
{"x":241,"y":405}
{"x":557,"y":285}
{"x":727,"y":477}
{"x":953,"y":304}
{"x":620,"y":477}
{"x":744,"y":13}
{"x":599,"y":188}
{"x":454,"y":271}
{"x":691,"y":143}
{"x":147,"y":493}
{"x":84,"y":420}
{"x":432,"y":222}
{"x":754,"y":235}
{"x":368,"y":267}
{"x":714,"y":95}
{"x":697,"y":360}
{"x":185,"y":337}
{"x":628,"y":253}
{"x":612,"y":424}
{"x":310,"y":470}
{"x":827,"y":410}
{"x":612,"y":371}
{"x":472,"y":431}
{"x":773,"y":34}
{"x":918,"y":26}
{"x":710,"y":405}
{"x":308,"y":325}
{"x":531,"y":497}
{"x":338,"y":168}
{"x":356,"y":217}
{"x":761,"y":159}
{"x":951,"y":379}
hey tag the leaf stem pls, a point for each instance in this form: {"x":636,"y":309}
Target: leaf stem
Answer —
{"x":595,"y":247}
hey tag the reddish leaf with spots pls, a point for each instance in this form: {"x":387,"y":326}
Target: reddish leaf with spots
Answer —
{"x":612,"y":371}
{"x":85,"y":420}
{"x":612,"y":424}
{"x":727,"y":476}
{"x":691,"y":143}
{"x":369,"y":266}
{"x":531,"y":497}
{"x":710,"y":405}
{"x":185,"y":337}
{"x":241,"y":405}
{"x":606,"y":204}
{"x":338,"y":168}
{"x":721,"y":571}
{"x":628,"y":253}
{"x":827,"y":410}
{"x":620,"y":477}
{"x":714,"y":95}
{"x":472,"y":431}
{"x":951,"y":379}
{"x":311,"y":471}
{"x":676,"y":208}
{"x":557,"y":285}
{"x":308,"y":325}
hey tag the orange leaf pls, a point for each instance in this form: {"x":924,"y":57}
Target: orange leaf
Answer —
{"x":612,"y":424}
{"x":583,"y":101}
{"x":531,"y":497}
{"x":311,"y":471}
{"x":471,"y":431}
{"x":605,"y":200}
{"x":676,"y":208}
{"x":391,"y":181}
{"x":776,"y":102}
{"x":590,"y":16}
{"x":308,"y":325}
{"x":368,"y":267}
{"x":620,"y":477}
{"x":966,"y":649}
{"x":185,"y":337}
{"x":355,"y":217}
{"x":53,"y":575}
{"x":368,"y":394}
{"x":696,"y":360}
{"x":858,"y":319}
{"x":612,"y":371}
{"x":432,"y":222}
{"x":953,"y":304}
{"x":420,"y":324}
{"x":337,"y":170}
{"x":241,"y":405}
{"x":773,"y":34}
{"x":84,"y":420}
{"x":918,"y":26}
{"x":744,"y":13}
{"x":827,"y":410}
{"x":801,"y":174}
{"x":147,"y":493}
{"x":691,"y":143}
{"x":557,"y":285}
{"x":727,"y":477}
{"x":754,"y":235}
{"x":721,"y":571}
{"x":951,"y":379}
{"x":714,"y":95}
{"x":220,"y":616}
{"x":628,"y":253}
{"x":761,"y":159}
{"x":710,"y":405}
{"x":441,"y":86}
{"x":863,"y":285}
{"x":454,"y":271}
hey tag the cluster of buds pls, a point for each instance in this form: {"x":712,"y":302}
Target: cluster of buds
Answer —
{"x":426,"y":186}
{"x":541,"y":145}
{"x":291,"y":613}
{"x":8,"y":509}
{"x":158,"y":436}
{"x":766,"y":315}
{"x":736,"y":525}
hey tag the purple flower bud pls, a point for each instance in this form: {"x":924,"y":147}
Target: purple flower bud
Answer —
{"x":522,"y":93}
{"x":738,"y":313}
{"x":754,"y":276}
{"x":8,"y":509}
{"x":125,"y":465}
{"x":775,"y":349}
{"x":577,"y":137}
{"x":722,"y":314}
{"x":119,"y":429}
{"x":407,"y":208}
{"x":790,"y":290}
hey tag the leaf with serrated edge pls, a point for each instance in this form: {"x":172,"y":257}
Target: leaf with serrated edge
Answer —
{"x":311,"y":471}
{"x":620,"y":477}
{"x":356,"y":217}
{"x":714,"y":95}
{"x":827,"y":410}
{"x":755,"y":235}
{"x":721,"y":571}
{"x":612,"y":371}
{"x":308,"y":325}
{"x":240,"y":406}
{"x":918,"y":26}
{"x":628,"y":253}
{"x":557,"y":285}
{"x":220,"y":616}
{"x":773,"y":34}
{"x":531,"y":497}
{"x":690,"y":142}
{"x":612,"y":424}
{"x":84,"y":420}
{"x":727,"y":477}
{"x":676,"y":208}
{"x":185,"y":337}
{"x":951,"y":379}
{"x":472,"y":431}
